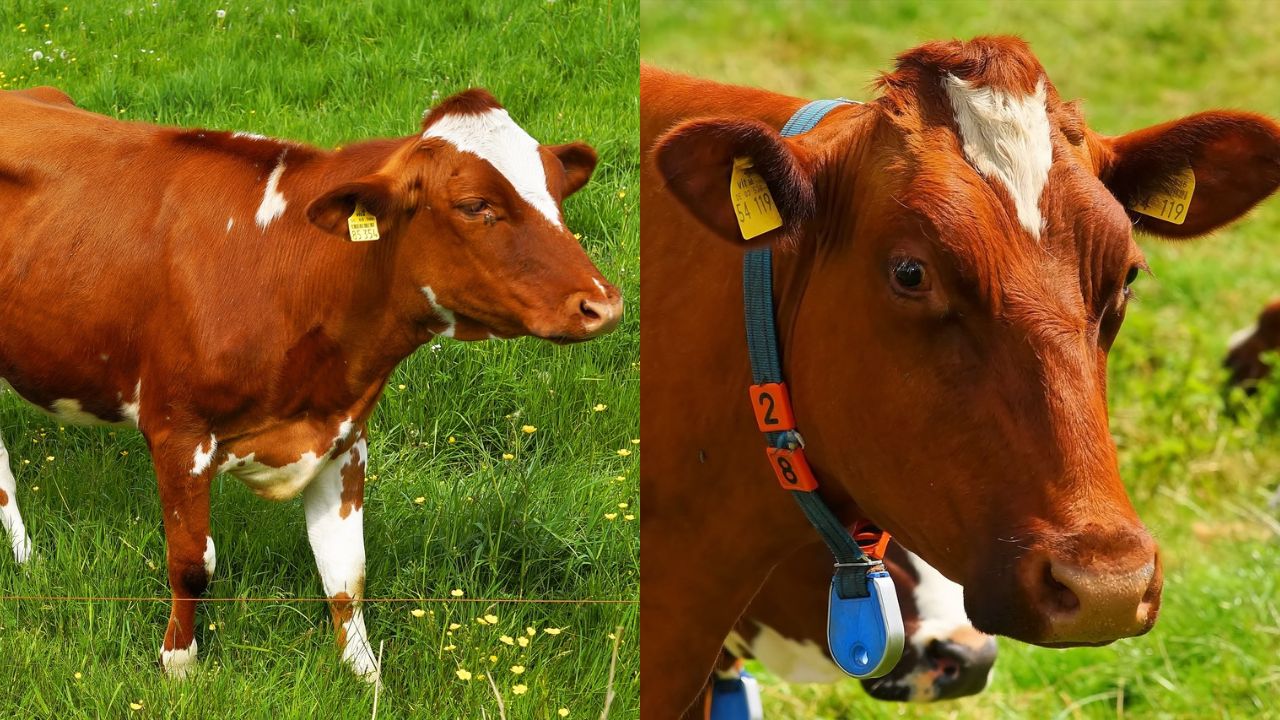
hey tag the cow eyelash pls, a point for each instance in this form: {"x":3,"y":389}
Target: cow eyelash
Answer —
{"x":473,"y":206}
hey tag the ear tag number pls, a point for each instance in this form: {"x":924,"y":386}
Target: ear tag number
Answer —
{"x":752,"y":202}
{"x":362,"y":225}
{"x":865,"y":635}
{"x":1170,"y":205}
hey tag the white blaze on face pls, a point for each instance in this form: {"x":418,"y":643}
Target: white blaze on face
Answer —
{"x":273,"y":202}
{"x":1006,"y":137}
{"x":940,"y":603}
{"x":494,"y":137}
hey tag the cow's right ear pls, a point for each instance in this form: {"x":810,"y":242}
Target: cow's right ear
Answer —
{"x":696,"y":160}
{"x":331,"y":211}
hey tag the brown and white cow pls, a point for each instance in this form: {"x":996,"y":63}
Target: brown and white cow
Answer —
{"x":952,"y":267}
{"x":785,"y":628}
{"x":203,"y":286}
{"x":1246,"y":347}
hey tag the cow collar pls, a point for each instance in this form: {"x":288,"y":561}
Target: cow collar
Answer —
{"x":864,"y":623}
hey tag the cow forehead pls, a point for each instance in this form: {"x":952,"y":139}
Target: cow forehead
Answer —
{"x":495,"y":138}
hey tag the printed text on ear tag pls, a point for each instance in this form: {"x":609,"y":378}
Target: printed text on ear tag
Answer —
{"x":1170,"y":205}
{"x":362,"y":225}
{"x":751,"y":200}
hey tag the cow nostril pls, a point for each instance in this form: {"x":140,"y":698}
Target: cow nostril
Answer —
{"x":588,"y":310}
{"x":1057,"y":594}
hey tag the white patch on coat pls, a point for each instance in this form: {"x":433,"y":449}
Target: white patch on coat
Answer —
{"x":286,"y":481}
{"x":249,"y":135}
{"x":603,"y":293}
{"x":179,"y":662}
{"x":494,"y":137}
{"x":445,"y":314}
{"x":210,"y":556}
{"x":130,"y":411}
{"x":798,"y":661}
{"x":10,"y":517}
{"x":203,"y":459}
{"x":940,"y":603}
{"x":230,"y":223}
{"x":1241,"y":337}
{"x":1006,"y":137}
{"x":273,"y":202}
{"x":338,"y":545}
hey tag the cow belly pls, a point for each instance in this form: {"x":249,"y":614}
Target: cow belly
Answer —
{"x":123,"y":412}
{"x":275,"y":483}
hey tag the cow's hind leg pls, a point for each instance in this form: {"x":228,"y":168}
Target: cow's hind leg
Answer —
{"x":335,"y":525}
{"x":9,"y":514}
{"x":184,"y":474}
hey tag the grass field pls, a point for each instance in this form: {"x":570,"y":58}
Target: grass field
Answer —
{"x":1199,"y":476}
{"x":549,"y":523}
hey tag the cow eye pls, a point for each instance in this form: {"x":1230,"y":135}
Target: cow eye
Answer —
{"x":909,"y":275}
{"x":1133,"y":275}
{"x":473,"y":206}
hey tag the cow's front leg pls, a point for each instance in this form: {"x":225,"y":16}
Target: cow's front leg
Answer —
{"x":9,"y":515}
{"x":184,"y":471}
{"x":335,"y":525}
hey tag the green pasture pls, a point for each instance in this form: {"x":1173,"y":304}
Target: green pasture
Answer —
{"x":1199,"y":474}
{"x":445,"y":510}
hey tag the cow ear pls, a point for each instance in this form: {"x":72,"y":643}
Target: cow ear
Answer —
{"x":696,"y":159}
{"x":331,"y":211}
{"x":579,"y":161}
{"x":1235,"y":158}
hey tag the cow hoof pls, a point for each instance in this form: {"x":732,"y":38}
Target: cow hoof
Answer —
{"x":179,"y":663}
{"x":22,"y":550}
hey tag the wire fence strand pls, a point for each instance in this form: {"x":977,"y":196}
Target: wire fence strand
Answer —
{"x":291,"y":600}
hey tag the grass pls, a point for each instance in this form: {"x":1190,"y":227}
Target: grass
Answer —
{"x":1199,"y":475}
{"x":533,"y":527}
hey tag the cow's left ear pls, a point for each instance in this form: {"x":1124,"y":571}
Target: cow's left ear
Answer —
{"x":1235,"y":157}
{"x":579,"y":161}
{"x":332,"y":211}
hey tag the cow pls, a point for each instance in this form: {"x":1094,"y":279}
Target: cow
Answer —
{"x":1244,"y":361}
{"x":785,"y":629}
{"x":242,"y":300}
{"x":951,"y":267}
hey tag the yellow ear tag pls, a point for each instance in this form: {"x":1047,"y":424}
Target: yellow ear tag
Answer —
{"x":757,"y":214}
{"x":362,"y":225}
{"x":1171,"y":206}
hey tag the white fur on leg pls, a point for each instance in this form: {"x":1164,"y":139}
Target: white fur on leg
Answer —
{"x":337,"y":540}
{"x":10,"y":517}
{"x":358,"y":653}
{"x":179,"y":662}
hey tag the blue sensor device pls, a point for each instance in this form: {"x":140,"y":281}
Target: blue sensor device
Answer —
{"x":736,"y":698}
{"x":865,"y":635}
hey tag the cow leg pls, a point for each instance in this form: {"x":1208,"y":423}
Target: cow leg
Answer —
{"x":184,"y":475}
{"x":9,"y":514}
{"x":335,"y":525}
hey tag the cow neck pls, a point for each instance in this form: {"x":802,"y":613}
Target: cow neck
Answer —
{"x":771,"y":399}
{"x":367,"y":294}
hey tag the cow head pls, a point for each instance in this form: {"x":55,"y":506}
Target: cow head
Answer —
{"x":473,"y":208}
{"x":1246,"y":347}
{"x":966,"y":258}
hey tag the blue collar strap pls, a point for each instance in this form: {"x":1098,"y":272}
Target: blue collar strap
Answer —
{"x":864,"y":622}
